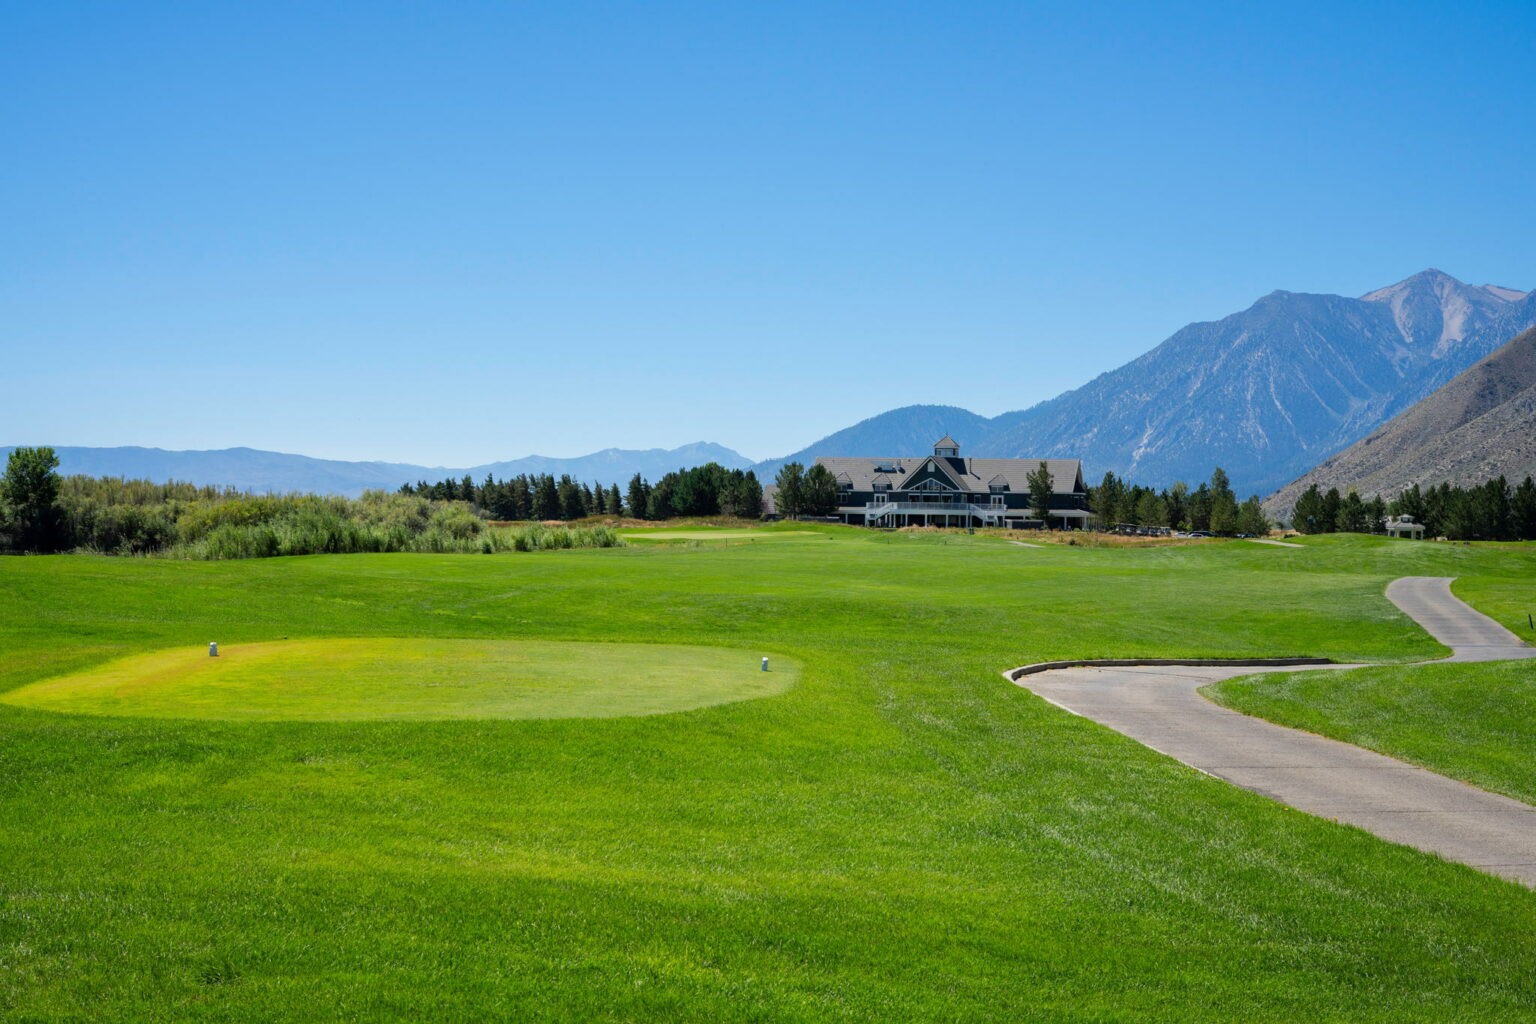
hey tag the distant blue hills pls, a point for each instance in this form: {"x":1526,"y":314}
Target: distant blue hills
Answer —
{"x":1266,"y":393}
{"x":262,"y":471}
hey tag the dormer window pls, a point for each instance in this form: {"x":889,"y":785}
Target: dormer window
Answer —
{"x":844,"y":484}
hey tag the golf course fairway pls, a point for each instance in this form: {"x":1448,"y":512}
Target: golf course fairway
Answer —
{"x":359,"y":679}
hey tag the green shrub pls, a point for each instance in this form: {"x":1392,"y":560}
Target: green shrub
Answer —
{"x":135,"y":517}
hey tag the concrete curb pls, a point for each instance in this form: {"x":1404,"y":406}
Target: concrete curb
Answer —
{"x":1013,"y":675}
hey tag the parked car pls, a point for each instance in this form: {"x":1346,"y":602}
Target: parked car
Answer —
{"x":1200,"y":533}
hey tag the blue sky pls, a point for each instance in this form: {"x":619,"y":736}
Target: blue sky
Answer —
{"x":453,"y":233}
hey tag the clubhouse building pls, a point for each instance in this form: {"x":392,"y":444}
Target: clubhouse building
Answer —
{"x":946,"y":489}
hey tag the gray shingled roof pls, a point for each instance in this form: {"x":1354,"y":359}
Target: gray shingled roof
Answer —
{"x":970,"y":474}
{"x":946,"y":442}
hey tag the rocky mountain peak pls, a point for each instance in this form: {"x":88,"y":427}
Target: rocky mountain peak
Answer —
{"x":1435,"y":313}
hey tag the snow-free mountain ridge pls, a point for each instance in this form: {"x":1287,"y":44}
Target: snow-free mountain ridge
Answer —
{"x":1479,"y":426}
{"x":1266,"y":393}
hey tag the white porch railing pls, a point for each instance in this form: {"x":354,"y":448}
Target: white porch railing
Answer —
{"x":878,"y":510}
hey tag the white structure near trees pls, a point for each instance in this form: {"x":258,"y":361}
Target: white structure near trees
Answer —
{"x":1404,"y":526}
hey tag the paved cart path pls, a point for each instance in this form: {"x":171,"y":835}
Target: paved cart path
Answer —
{"x":1159,"y":706}
{"x":1276,"y":543}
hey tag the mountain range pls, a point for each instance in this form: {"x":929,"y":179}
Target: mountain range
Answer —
{"x":1266,"y":393}
{"x":1479,"y":426}
{"x":261,"y":471}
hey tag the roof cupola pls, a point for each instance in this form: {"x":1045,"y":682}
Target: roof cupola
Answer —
{"x":946,"y":447}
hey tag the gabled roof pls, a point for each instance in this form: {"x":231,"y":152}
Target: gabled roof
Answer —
{"x":946,"y":442}
{"x":942,"y":463}
{"x":974,"y":475}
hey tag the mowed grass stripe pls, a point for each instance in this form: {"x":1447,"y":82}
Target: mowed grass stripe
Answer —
{"x":392,"y":678}
{"x":714,"y":535}
{"x":902,"y":835}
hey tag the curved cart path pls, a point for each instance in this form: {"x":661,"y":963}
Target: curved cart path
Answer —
{"x":1159,"y":706}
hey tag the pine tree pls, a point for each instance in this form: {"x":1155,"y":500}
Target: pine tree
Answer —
{"x":570,"y":498}
{"x":1522,"y":511}
{"x":684,"y":495}
{"x":1329,"y":519}
{"x":1177,"y":498}
{"x":749,"y":496}
{"x":819,"y":495}
{"x":1375,"y":514}
{"x":658,"y":502}
{"x":1409,"y":503}
{"x":639,"y":497}
{"x":1200,"y":508}
{"x":522,"y":498}
{"x":1496,"y":508}
{"x":1223,"y":503}
{"x":1106,"y":500}
{"x":1251,"y":518}
{"x":791,"y":493}
{"x":546,"y":499}
{"x":1351,"y":517}
{"x":1150,"y":509}
{"x":1040,"y":489}
{"x":1308,"y":515}
{"x":615,"y":503}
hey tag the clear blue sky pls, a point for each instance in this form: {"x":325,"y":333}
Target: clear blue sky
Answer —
{"x":455,"y":232}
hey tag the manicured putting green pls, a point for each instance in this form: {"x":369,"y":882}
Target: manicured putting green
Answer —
{"x":716,"y":534}
{"x":357,"y":679}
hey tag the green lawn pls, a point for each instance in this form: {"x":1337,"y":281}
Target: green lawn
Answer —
{"x":1510,"y":601}
{"x":901,"y":835}
{"x":716,"y":534}
{"x":390,"y":678}
{"x":1473,"y":722}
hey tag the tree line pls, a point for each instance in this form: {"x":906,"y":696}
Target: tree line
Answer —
{"x":706,"y":490}
{"x":1492,"y":510}
{"x":1212,"y":506}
